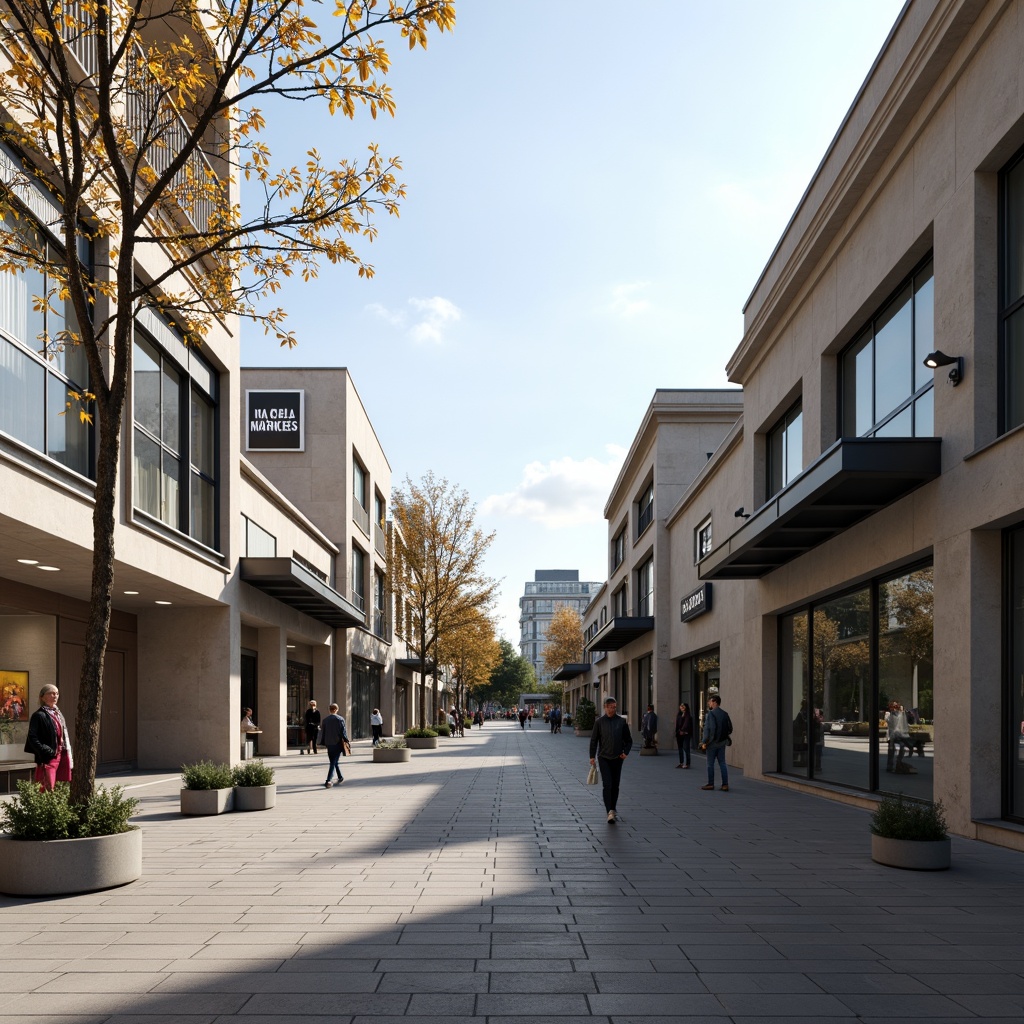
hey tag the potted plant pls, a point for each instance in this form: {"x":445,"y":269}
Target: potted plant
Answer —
{"x":586,"y":713}
{"x":442,"y":729}
{"x":394,"y":751}
{"x":910,"y":834}
{"x":254,"y":786}
{"x":421,"y":739}
{"x":51,"y":847}
{"x":206,"y":788}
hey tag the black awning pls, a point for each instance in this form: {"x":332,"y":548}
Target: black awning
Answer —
{"x":572,"y":669}
{"x":852,"y":480}
{"x":620,"y":631}
{"x":415,"y":663}
{"x":294,"y":585}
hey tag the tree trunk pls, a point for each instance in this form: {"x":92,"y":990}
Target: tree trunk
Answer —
{"x":90,"y":694}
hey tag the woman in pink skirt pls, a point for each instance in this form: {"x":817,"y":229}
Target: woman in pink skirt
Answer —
{"x":48,"y":740}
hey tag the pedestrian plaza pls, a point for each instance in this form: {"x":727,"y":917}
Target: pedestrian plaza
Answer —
{"x":482,"y":881}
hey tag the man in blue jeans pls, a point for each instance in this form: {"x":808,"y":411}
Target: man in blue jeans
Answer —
{"x":333,"y":736}
{"x":610,"y":744}
{"x":717,"y":730}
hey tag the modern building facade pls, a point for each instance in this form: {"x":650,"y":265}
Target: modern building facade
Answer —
{"x":551,"y":589}
{"x":625,"y":626}
{"x":867,"y":509}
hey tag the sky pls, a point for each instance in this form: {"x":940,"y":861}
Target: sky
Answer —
{"x":593,"y":191}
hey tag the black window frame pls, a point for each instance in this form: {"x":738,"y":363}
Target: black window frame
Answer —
{"x":784,"y":428}
{"x":645,"y":588}
{"x":914,"y":281}
{"x":645,"y":509}
{"x":699,"y":549}
{"x":1008,"y":308}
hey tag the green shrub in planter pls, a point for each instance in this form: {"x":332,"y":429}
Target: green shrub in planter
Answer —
{"x":46,"y":815}
{"x":442,"y":729}
{"x":420,"y":733}
{"x":896,"y":818}
{"x":395,"y":744}
{"x":252,"y":773}
{"x":586,"y":713}
{"x":206,"y":775}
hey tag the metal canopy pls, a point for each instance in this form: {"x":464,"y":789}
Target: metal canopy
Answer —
{"x":292,"y":584}
{"x":852,"y":480}
{"x":620,"y":631}
{"x":572,"y":669}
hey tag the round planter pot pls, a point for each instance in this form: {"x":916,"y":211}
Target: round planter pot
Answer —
{"x":391,"y":755}
{"x":932,"y":855}
{"x":64,"y":866}
{"x":255,"y":798}
{"x":648,"y":751}
{"x":207,"y":801}
{"x":421,"y":742}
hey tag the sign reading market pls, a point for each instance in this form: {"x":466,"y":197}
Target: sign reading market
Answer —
{"x":274,"y":421}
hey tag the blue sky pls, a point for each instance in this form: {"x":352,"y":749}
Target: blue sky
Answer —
{"x":593,"y":192}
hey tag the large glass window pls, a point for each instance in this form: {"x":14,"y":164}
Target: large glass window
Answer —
{"x":885,"y":388}
{"x":359,"y":578}
{"x":1012,"y":292}
{"x":843,"y":663}
{"x":175,"y":458}
{"x":618,"y":549}
{"x":645,"y":588}
{"x":645,"y":509}
{"x":39,"y":365}
{"x":1015,"y":665}
{"x":785,"y":450}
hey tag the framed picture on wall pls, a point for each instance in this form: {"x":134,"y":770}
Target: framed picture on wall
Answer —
{"x":14,"y":695}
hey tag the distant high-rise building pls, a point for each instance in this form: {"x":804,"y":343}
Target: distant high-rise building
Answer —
{"x":550,"y":589}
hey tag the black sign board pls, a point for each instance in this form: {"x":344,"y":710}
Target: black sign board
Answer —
{"x":274,"y":421}
{"x":696,"y":603}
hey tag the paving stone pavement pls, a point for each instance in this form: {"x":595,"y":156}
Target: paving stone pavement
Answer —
{"x":481,"y":881}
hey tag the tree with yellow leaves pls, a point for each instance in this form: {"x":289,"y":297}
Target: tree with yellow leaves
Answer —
{"x":138,"y":120}
{"x":564,"y":641}
{"x":438,"y":570}
{"x":472,"y":652}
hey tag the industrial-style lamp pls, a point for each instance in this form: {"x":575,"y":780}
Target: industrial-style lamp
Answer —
{"x":938,"y":358}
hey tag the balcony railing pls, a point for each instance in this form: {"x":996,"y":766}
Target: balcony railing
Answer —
{"x":380,"y":625}
{"x":361,"y":517}
{"x":380,"y":539}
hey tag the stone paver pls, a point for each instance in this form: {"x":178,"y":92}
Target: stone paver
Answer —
{"x":481,"y":882}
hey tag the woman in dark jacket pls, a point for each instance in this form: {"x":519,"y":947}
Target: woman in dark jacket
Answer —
{"x":48,"y":741}
{"x":684,"y":732}
{"x":312,"y":720}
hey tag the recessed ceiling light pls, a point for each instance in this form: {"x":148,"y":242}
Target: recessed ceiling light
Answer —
{"x":29,"y":561}
{"x":163,"y":602}
{"x":291,"y":647}
{"x":48,"y":568}
{"x":133,"y":593}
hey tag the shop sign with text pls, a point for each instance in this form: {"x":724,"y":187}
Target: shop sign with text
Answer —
{"x":274,"y":421}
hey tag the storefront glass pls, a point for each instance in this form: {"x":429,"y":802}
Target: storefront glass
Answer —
{"x":365,"y":696}
{"x":707,"y":673}
{"x":834,"y":715}
{"x":1015,"y":662}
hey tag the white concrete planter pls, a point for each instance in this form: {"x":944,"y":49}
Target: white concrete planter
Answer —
{"x":14,"y":752}
{"x":255,"y":798}
{"x":914,"y":855}
{"x":648,"y":751}
{"x":33,"y":868}
{"x":391,"y":755}
{"x":421,"y":742}
{"x":207,"y":801}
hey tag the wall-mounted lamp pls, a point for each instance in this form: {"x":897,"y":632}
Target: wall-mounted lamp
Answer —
{"x":937,"y":358}
{"x":740,"y":514}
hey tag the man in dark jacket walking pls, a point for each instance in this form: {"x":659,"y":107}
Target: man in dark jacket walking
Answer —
{"x":611,"y":742}
{"x":334,"y":736}
{"x":716,"y":737}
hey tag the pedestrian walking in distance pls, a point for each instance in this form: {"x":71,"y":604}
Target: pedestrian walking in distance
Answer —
{"x":610,"y":744}
{"x":716,"y":737}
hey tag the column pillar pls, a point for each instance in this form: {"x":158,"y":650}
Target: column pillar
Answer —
{"x":271,"y":688}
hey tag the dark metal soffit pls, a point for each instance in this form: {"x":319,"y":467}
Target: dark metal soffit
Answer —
{"x":572,"y":669}
{"x":294,"y":585}
{"x":618,"y":632}
{"x":852,"y":480}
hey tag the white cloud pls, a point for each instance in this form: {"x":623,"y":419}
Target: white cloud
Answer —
{"x":435,"y":315}
{"x":430,"y":319}
{"x":627,"y":299}
{"x":562,"y":493}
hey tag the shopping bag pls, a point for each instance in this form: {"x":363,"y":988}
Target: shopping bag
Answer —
{"x":592,"y":775}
